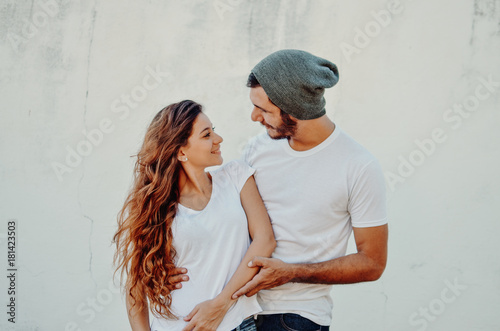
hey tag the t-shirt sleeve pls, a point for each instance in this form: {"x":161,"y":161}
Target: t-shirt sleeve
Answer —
{"x":254,"y":147}
{"x":367,"y":199}
{"x":238,"y":171}
{"x":246,"y":155}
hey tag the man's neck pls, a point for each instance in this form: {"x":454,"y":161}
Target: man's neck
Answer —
{"x":311,"y":133}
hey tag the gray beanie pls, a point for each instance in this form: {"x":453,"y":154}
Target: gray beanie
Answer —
{"x":295,"y":81}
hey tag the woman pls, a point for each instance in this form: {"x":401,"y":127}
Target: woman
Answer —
{"x":178,"y":214}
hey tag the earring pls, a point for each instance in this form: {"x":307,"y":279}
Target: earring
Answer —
{"x":185,"y":159}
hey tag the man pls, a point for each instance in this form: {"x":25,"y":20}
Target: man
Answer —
{"x":318,"y":185}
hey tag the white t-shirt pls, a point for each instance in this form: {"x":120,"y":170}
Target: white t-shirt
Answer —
{"x":210,"y":244}
{"x":314,"y":198}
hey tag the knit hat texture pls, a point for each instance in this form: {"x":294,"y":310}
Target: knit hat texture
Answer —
{"x":295,"y":81}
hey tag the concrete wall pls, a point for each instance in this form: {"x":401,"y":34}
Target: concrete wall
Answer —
{"x":419,"y":86}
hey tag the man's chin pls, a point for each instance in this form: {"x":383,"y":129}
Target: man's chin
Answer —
{"x":275,"y":135}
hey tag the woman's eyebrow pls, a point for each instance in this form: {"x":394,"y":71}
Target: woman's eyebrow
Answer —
{"x":207,"y":128}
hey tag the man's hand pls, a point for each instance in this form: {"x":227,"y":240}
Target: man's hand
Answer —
{"x":273,"y":272}
{"x":178,"y":276}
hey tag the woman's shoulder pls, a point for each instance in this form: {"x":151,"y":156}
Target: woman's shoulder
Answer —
{"x":237,"y":171}
{"x":233,"y":166}
{"x":236,"y":164}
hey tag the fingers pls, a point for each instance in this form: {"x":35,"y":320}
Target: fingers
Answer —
{"x":191,"y":314}
{"x":178,"y":279}
{"x":248,"y":286}
{"x":174,"y":287}
{"x":189,"y":326}
{"x":178,"y":276}
{"x":257,"y":261}
{"x":254,"y":290}
{"x":177,"y":285}
{"x":192,"y":323}
{"x":178,"y":271}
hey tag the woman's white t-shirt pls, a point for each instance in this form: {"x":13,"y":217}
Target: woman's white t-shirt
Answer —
{"x":210,"y":244}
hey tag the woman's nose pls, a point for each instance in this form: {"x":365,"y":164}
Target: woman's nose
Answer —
{"x":219,"y":139}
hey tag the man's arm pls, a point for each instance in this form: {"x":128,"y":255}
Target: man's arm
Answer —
{"x":367,"y":264}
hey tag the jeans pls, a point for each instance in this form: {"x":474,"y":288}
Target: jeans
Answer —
{"x":287,"y":322}
{"x":246,"y":325}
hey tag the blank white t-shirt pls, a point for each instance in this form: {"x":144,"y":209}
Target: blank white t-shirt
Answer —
{"x":314,"y":198}
{"x":210,"y":244}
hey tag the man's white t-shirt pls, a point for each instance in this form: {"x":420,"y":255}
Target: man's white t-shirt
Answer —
{"x":210,"y":244}
{"x":314,"y":198}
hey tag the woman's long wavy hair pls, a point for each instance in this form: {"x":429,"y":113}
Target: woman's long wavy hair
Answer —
{"x":144,"y":236}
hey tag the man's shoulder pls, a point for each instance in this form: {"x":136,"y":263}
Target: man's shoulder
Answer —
{"x":357,"y":153}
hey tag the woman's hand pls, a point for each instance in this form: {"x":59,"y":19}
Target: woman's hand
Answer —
{"x":207,"y":316}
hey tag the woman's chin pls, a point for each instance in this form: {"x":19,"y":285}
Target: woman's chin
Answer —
{"x":218,"y":161}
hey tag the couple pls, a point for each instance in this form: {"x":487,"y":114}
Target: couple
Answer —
{"x":196,"y":246}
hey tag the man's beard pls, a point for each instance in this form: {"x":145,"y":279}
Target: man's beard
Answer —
{"x":286,"y":129}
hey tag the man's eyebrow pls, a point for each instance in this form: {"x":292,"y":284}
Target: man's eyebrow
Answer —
{"x":265,"y":110}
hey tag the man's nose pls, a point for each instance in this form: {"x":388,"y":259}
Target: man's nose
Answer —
{"x":256,"y":115}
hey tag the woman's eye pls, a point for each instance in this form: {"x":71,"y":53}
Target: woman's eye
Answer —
{"x":208,"y":134}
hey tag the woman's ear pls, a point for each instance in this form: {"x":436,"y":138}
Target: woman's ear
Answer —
{"x":181,"y":156}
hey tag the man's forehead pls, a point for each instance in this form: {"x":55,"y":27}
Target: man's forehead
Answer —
{"x":258,"y":96}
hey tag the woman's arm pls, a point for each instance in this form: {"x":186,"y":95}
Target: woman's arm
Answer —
{"x":210,"y":313}
{"x":139,"y":321}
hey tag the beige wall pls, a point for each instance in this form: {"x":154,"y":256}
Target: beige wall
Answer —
{"x":413,"y":89}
